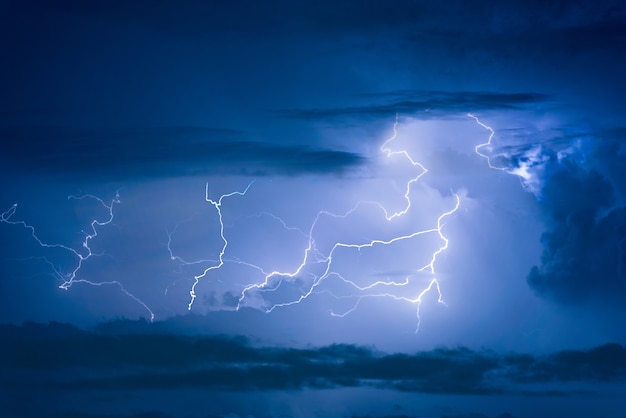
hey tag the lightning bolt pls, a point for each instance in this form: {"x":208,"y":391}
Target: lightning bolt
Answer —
{"x":430,"y":267}
{"x":487,"y":144}
{"x":217,"y":204}
{"x":70,"y":278}
{"x":523,"y":167}
{"x":384,"y":148}
{"x":273,"y":280}
{"x":316,"y":265}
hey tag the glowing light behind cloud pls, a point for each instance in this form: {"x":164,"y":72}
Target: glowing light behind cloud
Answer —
{"x":378,"y":236}
{"x":333,"y":234}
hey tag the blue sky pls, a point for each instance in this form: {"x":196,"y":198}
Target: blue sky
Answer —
{"x":296,"y":166}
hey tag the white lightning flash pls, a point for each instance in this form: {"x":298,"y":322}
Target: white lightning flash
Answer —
{"x":487,"y":144}
{"x":324,"y":262}
{"x":434,"y":283}
{"x":70,"y":278}
{"x":527,"y":164}
{"x":390,"y":153}
{"x":312,"y":255}
{"x":217,"y":204}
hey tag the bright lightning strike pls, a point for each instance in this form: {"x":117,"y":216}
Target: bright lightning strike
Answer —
{"x":526,"y":164}
{"x":487,"y":144}
{"x":434,"y":283}
{"x":313,"y":256}
{"x":70,"y":278}
{"x":390,"y":153}
{"x":217,"y":204}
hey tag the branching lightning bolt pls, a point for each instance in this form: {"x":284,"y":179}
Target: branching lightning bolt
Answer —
{"x":70,"y":278}
{"x":323,"y":261}
{"x":523,"y":166}
{"x":318,"y":261}
{"x":217,"y":204}
{"x":312,"y":254}
{"x":390,"y":153}
{"x":479,"y":147}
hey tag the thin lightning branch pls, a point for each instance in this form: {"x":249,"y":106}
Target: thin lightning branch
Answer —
{"x":523,"y":167}
{"x":416,"y":301}
{"x":430,"y":267}
{"x":282,"y":222}
{"x":390,"y":153}
{"x":179,"y":259}
{"x":69,"y":279}
{"x":478,"y":147}
{"x":217,"y":204}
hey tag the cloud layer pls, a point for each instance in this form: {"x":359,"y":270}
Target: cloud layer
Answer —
{"x":118,"y":154}
{"x":582,"y":201}
{"x":169,"y":361}
{"x":426,"y":104}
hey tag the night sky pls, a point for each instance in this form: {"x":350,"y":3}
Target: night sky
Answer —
{"x":312,"y":208}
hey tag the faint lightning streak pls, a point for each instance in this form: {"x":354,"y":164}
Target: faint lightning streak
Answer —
{"x":417,"y":301}
{"x":478,"y":147}
{"x":68,"y":279}
{"x":282,"y":222}
{"x":524,"y":167}
{"x":181,"y":260}
{"x":217,"y":204}
{"x":389,"y":153}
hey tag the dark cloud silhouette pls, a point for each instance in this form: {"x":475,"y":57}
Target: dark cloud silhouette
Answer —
{"x":584,"y":245}
{"x":169,"y":361}
{"x":425,"y":104}
{"x":160,"y":152}
{"x":143,"y":414}
{"x":585,"y":19}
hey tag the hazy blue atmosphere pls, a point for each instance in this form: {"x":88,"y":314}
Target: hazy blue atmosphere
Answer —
{"x":312,"y":209}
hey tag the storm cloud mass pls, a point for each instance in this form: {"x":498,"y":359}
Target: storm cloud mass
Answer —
{"x":328,"y":208}
{"x":85,"y":362}
{"x":584,"y":254}
{"x":161,"y":152}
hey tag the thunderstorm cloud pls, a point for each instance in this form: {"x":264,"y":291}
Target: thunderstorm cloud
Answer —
{"x":161,"y":152}
{"x":581,"y":197}
{"x":232,"y":170}
{"x":157,"y":361}
{"x":426,"y":105}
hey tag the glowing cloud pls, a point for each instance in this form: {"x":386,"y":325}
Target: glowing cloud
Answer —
{"x":317,"y":266}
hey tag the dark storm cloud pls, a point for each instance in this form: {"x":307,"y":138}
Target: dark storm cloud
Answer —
{"x":143,"y":414}
{"x":201,"y":19}
{"x":167,"y":361}
{"x":425,"y":104}
{"x":584,"y":19}
{"x":584,"y":245}
{"x":160,"y":152}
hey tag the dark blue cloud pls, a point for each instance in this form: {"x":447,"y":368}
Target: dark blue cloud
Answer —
{"x":160,"y":152}
{"x":199,"y":17}
{"x":425,"y":104}
{"x":123,"y":90}
{"x":584,"y":245}
{"x":166,"y":361}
